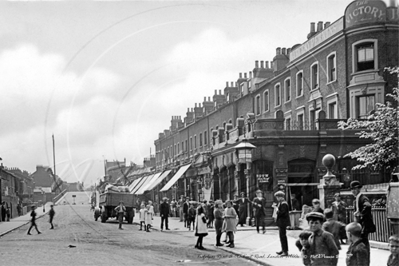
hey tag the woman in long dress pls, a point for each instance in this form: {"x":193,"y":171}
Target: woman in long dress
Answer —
{"x":230,"y":217}
{"x":201,"y":229}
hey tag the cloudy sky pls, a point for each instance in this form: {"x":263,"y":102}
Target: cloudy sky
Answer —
{"x":106,"y":77}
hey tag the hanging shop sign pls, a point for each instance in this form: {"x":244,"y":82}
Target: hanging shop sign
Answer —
{"x":263,"y":178}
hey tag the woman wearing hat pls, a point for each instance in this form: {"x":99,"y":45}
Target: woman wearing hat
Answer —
{"x":259,"y":204}
{"x":362,"y":212}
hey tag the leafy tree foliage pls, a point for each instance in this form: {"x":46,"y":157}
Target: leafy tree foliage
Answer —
{"x":381,"y":127}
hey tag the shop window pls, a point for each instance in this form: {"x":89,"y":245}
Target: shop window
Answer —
{"x":287,"y":89}
{"x":277,"y":95}
{"x":364,"y":106}
{"x":299,"y":84}
{"x":266,"y":101}
{"x":257,"y":104}
{"x":332,"y":67}
{"x":314,"y":76}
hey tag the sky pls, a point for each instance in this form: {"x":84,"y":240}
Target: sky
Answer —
{"x":106,"y":77}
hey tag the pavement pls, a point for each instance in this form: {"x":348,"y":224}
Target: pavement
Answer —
{"x":262,"y":248}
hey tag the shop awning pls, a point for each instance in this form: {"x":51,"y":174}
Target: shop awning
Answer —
{"x":140,"y":185}
{"x":159,"y":180}
{"x":149,"y":181}
{"x":176,"y":177}
{"x":134,"y":184}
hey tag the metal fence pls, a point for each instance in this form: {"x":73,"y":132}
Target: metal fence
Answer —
{"x":383,"y":227}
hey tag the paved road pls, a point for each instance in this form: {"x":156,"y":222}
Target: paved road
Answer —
{"x":79,"y":240}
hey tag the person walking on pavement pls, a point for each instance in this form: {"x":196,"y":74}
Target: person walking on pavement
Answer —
{"x":3,"y":211}
{"x":164,"y":212}
{"x":51,"y":214}
{"x":362,"y":212}
{"x":33,"y":221}
{"x":242,"y":209}
{"x":282,"y":221}
{"x":201,"y":229}
{"x":120,"y":209}
{"x":259,"y":203}
{"x":185,"y":206}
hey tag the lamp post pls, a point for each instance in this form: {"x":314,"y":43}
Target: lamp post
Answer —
{"x":244,"y":155}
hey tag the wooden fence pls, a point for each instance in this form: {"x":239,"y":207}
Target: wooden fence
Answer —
{"x":383,"y":227}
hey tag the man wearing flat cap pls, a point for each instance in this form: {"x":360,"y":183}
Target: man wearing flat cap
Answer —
{"x":282,"y":221}
{"x":323,"y":250}
{"x":362,"y":212}
{"x":259,"y":204}
{"x":242,"y":209}
{"x":120,"y":209}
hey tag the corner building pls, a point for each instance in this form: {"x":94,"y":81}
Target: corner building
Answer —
{"x":288,"y":109}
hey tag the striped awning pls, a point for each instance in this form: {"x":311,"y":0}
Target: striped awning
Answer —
{"x":176,"y":177}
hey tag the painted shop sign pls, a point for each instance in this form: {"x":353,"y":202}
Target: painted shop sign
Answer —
{"x":263,"y":178}
{"x":365,"y":11}
{"x":322,"y":36}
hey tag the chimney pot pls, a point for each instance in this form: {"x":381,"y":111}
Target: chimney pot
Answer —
{"x":216,"y":92}
{"x":261,"y":64}
{"x":232,"y":84}
{"x":327,"y":24}
{"x":245,"y":75}
{"x":271,"y":64}
{"x":227,"y":83}
{"x":288,"y":51}
{"x":392,"y":3}
{"x":267,"y":64}
{"x":199,"y":105}
{"x":250,"y":74}
{"x":240,"y":75}
{"x":312,"y":27}
{"x":256,"y":64}
{"x":220,"y":92}
{"x":209,"y":98}
{"x":278,"y":50}
{"x":283,"y":51}
{"x":195,"y":105}
{"x":205,"y":99}
{"x":319,"y":26}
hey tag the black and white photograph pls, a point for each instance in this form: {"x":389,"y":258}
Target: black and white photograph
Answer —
{"x":179,"y":132}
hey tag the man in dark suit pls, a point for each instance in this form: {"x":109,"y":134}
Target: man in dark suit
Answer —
{"x":164,"y":209}
{"x":259,"y":203}
{"x":242,"y":209}
{"x":362,"y":212}
{"x":282,"y":221}
{"x":186,"y":206}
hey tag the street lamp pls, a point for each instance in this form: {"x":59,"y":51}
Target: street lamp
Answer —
{"x":244,"y":155}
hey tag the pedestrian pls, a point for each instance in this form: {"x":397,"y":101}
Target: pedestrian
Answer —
{"x":173,"y":205}
{"x":303,"y":245}
{"x":357,"y":254}
{"x":259,"y":204}
{"x":8,"y":213}
{"x":120,"y":209}
{"x":3,"y":211}
{"x":316,"y":206}
{"x":323,"y":251}
{"x":242,"y":209}
{"x":295,"y":203}
{"x":218,"y":214}
{"x":180,"y":207}
{"x":338,"y":207}
{"x":97,"y":212}
{"x":164,"y":212}
{"x":33,"y":220}
{"x":333,"y":226}
{"x":200,"y":226}
{"x":282,"y":221}
{"x":149,"y":216}
{"x":393,"y":259}
{"x":362,"y":212}
{"x":142,"y":215}
{"x":151,"y":208}
{"x":51,"y":215}
{"x":19,"y":209}
{"x":191,"y":216}
{"x":230,"y":217}
{"x":236,"y":205}
{"x":185,"y":205}
{"x":210,"y":215}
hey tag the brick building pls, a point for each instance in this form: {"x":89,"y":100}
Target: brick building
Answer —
{"x":288,"y":109}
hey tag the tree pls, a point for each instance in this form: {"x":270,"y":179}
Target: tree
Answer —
{"x":381,"y":127}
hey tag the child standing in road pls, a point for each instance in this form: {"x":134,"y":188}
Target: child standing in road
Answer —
{"x":191,"y":217}
{"x":333,"y":226}
{"x":394,"y":248}
{"x":148,"y":218}
{"x":51,"y":214}
{"x":230,"y":216}
{"x":143,"y":211}
{"x":33,"y":221}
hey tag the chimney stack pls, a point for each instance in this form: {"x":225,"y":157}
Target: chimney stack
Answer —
{"x":319,"y":26}
{"x":312,"y":27}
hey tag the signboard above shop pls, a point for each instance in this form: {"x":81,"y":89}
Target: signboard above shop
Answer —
{"x":365,"y":11}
